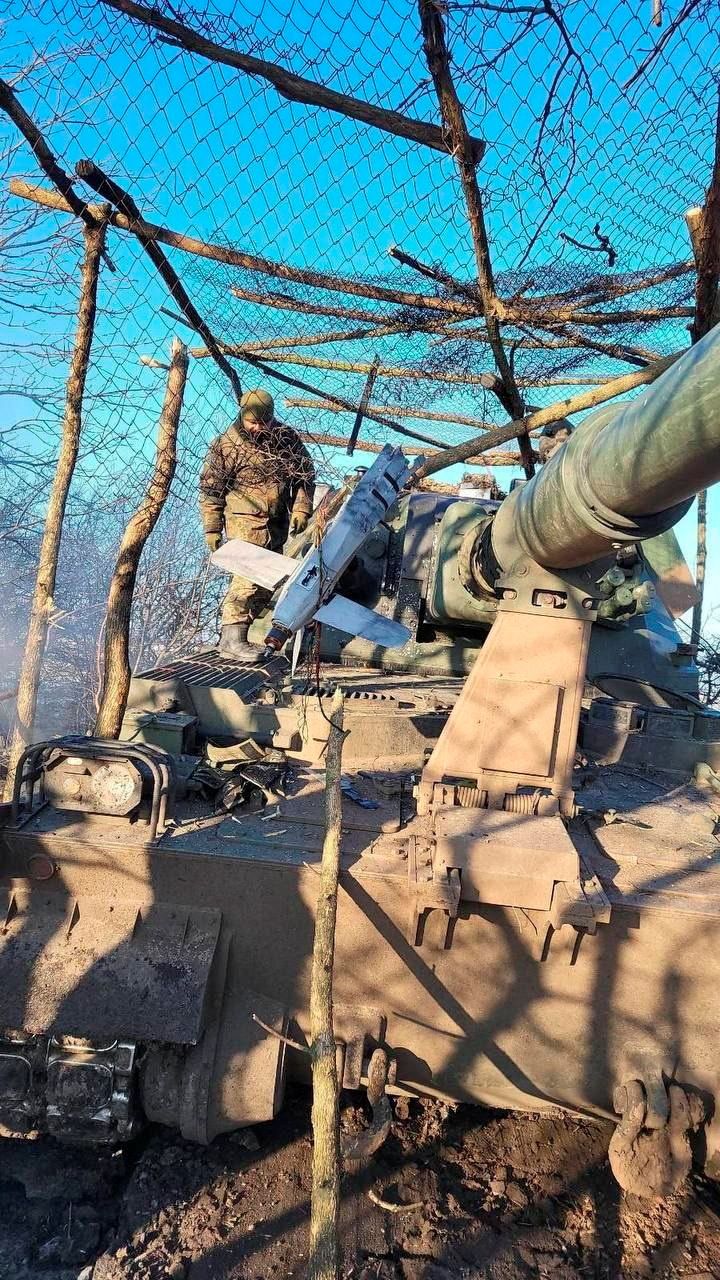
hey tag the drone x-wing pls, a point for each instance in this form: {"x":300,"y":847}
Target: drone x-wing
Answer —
{"x":308,"y":593}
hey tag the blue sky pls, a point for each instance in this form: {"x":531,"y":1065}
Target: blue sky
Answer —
{"x":223,"y":157}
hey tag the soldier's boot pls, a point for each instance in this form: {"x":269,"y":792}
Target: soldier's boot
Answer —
{"x":234,"y":642}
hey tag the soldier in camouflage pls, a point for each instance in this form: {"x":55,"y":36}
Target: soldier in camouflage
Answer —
{"x":257,"y":483}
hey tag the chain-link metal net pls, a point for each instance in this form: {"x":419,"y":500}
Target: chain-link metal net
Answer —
{"x":598,"y":129}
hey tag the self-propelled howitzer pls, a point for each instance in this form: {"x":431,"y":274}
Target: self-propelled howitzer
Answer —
{"x":515,"y":927}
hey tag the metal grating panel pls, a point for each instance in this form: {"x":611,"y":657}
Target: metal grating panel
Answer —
{"x":219,"y":672}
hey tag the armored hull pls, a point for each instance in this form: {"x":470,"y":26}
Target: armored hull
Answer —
{"x":137,"y":966}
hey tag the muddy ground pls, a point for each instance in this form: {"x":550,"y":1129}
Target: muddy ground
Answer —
{"x":477,"y":1193}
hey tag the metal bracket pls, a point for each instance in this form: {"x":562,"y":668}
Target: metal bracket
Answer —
{"x":426,"y":891}
{"x":531,"y":667}
{"x":355,"y":1026}
{"x":576,"y":906}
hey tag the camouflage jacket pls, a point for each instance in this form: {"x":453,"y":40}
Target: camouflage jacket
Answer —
{"x":264,"y":479}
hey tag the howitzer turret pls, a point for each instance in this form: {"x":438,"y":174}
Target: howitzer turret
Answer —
{"x":556,"y":553}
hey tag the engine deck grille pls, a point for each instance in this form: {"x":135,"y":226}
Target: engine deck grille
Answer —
{"x":215,"y":670}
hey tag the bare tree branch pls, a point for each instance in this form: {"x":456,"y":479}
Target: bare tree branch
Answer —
{"x":603,"y":245}
{"x":540,"y":418}
{"x":436,"y":273}
{"x":667,"y":35}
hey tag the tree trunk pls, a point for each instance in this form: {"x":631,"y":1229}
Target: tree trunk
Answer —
{"x":116,"y":673}
{"x":42,"y":601}
{"x":438,"y":60}
{"x":324,"y":1258}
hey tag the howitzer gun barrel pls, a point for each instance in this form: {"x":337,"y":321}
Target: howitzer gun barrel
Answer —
{"x":629,"y":472}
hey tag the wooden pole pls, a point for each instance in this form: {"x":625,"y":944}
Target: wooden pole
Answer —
{"x":530,"y":315}
{"x":491,"y":381}
{"x":284,"y":302}
{"x":290,"y":86}
{"x":540,"y":418}
{"x":150,"y":231}
{"x":572,"y":341}
{"x":116,"y":670}
{"x":13,"y":108}
{"x":42,"y":604}
{"x":110,"y":190}
{"x":11,"y":105}
{"x":447,"y":331}
{"x":393,"y":328}
{"x":530,"y":311}
{"x":504,"y":459}
{"x":432,"y":23}
{"x":399,"y":411}
{"x":571,"y":337}
{"x":360,"y":366}
{"x":329,"y":338}
{"x":324,"y":1257}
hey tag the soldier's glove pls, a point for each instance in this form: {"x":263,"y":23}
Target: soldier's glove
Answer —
{"x":213,"y":540}
{"x":298,"y":522}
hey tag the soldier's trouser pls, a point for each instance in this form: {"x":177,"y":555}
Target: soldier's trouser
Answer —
{"x":244,"y":600}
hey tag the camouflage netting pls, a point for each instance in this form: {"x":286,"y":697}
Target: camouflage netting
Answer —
{"x":599,"y":130}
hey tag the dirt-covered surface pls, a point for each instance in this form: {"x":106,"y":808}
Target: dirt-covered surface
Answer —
{"x":475,"y":1194}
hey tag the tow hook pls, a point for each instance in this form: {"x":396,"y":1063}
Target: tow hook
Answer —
{"x":650,"y":1153}
{"x":357,"y":1148}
